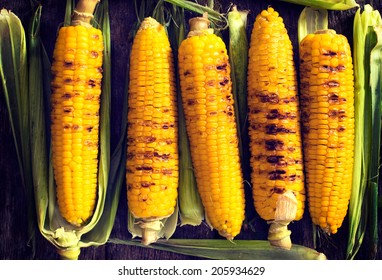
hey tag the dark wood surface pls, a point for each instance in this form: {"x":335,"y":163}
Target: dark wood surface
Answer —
{"x":13,"y":218}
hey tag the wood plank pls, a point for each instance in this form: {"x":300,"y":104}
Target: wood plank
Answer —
{"x":13,"y":233}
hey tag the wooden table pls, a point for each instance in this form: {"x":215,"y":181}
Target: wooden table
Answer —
{"x":13,"y":218}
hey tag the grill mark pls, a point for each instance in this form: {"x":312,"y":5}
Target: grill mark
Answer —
{"x":254,"y":111}
{"x":333,"y":98}
{"x":130,"y":156}
{"x":330,"y":69}
{"x":210,"y":83}
{"x":146,"y":184}
{"x":94,"y":54}
{"x":92,"y":83}
{"x":144,"y":168}
{"x":166,"y":171}
{"x":68,"y":63}
{"x":222,"y":66}
{"x":274,"y":129}
{"x":276,"y":175}
{"x":68,"y":109}
{"x":164,"y":157}
{"x":67,"y":126}
{"x":224,"y":82}
{"x":149,"y":139}
{"x":333,"y":114}
{"x":186,"y":73}
{"x":272,"y":98}
{"x":292,"y":178}
{"x":289,"y":100}
{"x":330,"y":53}
{"x":275,"y":114}
{"x":256,"y":126}
{"x":191,"y":102}
{"x":274,"y":159}
{"x":272,"y":145}
{"x":89,"y":128}
{"x":277,"y":190}
{"x":331,"y":84}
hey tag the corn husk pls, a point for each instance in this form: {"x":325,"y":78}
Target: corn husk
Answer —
{"x":363,"y":200}
{"x":29,"y":111}
{"x":227,"y":250}
{"x":238,"y":55}
{"x":326,"y":4}
{"x":14,"y":86}
{"x":311,"y":20}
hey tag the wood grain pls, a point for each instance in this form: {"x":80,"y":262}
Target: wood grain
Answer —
{"x":14,"y":243}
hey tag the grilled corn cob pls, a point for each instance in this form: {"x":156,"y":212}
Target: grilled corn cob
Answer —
{"x":327,"y":100}
{"x":75,"y":101}
{"x":274,"y":129}
{"x":205,"y":81}
{"x":152,"y":151}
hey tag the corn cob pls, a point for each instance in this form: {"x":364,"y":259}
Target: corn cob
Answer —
{"x":205,"y":81}
{"x":327,"y":100}
{"x":152,"y":151}
{"x":75,"y":100}
{"x":274,"y":129}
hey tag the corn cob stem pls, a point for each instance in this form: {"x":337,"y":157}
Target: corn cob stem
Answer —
{"x":286,"y":210}
{"x":83,"y":13}
{"x":200,"y":26}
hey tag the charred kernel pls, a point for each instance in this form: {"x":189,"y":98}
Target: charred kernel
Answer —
{"x":274,"y":120}
{"x":327,"y":86}
{"x":222,"y":66}
{"x":211,"y":127}
{"x":152,"y":148}
{"x":75,"y":138}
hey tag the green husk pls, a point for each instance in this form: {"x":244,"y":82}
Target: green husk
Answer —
{"x":366,"y":82}
{"x":227,"y":250}
{"x":14,"y":85}
{"x":68,"y":12}
{"x":311,"y":20}
{"x":376,"y":113}
{"x":38,"y":88}
{"x":238,"y":55}
{"x":326,"y":4}
{"x":67,"y":239}
{"x":114,"y":168}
